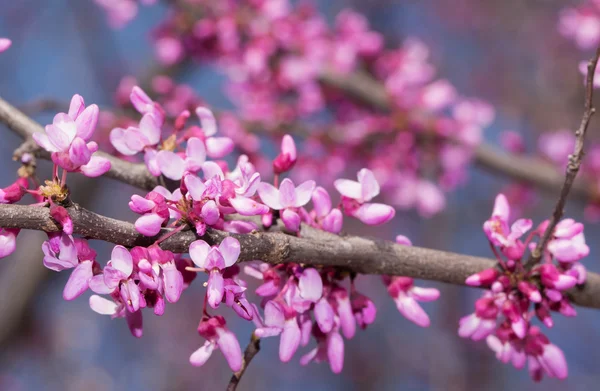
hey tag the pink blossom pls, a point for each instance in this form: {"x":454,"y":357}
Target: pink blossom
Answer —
{"x":287,"y":199}
{"x":406,"y":296}
{"x":8,"y":241}
{"x":356,"y":197}
{"x":214,"y":260}
{"x":174,"y":165}
{"x":14,"y":192}
{"x":287,"y":157}
{"x":217,"y":335}
{"x":216,"y":147}
{"x":4,"y":44}
{"x":496,"y":229}
{"x":68,"y":140}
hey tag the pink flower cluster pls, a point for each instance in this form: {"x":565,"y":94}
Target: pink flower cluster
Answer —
{"x":68,"y":140}
{"x":582,"y":24}
{"x":276,"y":54}
{"x":518,"y":292}
{"x":299,"y":302}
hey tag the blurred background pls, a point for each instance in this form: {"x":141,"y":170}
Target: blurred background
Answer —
{"x":506,"y":52}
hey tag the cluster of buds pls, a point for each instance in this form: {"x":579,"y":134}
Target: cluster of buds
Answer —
{"x":517,"y":292}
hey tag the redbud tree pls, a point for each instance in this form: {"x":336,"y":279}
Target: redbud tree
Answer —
{"x":331,"y":126}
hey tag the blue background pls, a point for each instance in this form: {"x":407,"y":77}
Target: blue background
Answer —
{"x":506,"y":52}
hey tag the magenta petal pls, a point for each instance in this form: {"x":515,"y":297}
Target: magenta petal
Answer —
{"x":135,"y":323}
{"x":304,"y":193}
{"x":219,"y":147}
{"x":8,"y":242}
{"x":43,"y":141}
{"x":118,"y":140}
{"x":375,"y":214}
{"x":76,"y":106}
{"x":149,"y":224}
{"x":248,"y":207}
{"x":215,"y":288}
{"x":195,"y":186}
{"x":79,"y":152}
{"x":230,"y":347}
{"x":287,"y":193}
{"x":86,"y":122}
{"x":290,"y":340}
{"x":288,"y":147}
{"x":150,"y":128}
{"x":173,"y":282}
{"x":98,"y":285}
{"x":122,"y":260}
{"x":103,"y":306}
{"x":310,"y":285}
{"x":4,"y":44}
{"x":424,"y":294}
{"x":207,"y":119}
{"x":230,"y":250}
{"x":201,"y":356}
{"x":348,"y":188}
{"x":554,"y":361}
{"x":59,"y":138}
{"x":369,"y":185}
{"x":335,"y":352}
{"x":347,"y":321}
{"x":78,"y":281}
{"x":333,"y":221}
{"x":140,"y":100}
{"x":140,"y":204}
{"x":324,"y":315}
{"x":199,"y":250}
{"x":210,"y":213}
{"x":321,"y":201}
{"x":291,"y":220}
{"x":195,"y":154}
{"x":269,"y":195}
{"x":412,"y":310}
{"x":171,"y":164}
{"x":96,"y":167}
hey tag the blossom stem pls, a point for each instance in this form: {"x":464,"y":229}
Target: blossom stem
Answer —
{"x":169,"y":234}
{"x":251,"y":350}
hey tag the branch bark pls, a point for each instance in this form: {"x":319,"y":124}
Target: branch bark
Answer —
{"x":574,"y":162}
{"x":251,"y":350}
{"x":135,"y":174}
{"x":314,"y":247}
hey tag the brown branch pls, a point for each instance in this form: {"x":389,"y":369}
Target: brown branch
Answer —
{"x":574,"y":162}
{"x":134,"y":174}
{"x":251,"y":350}
{"x":364,"y":88}
{"x":315,"y":247}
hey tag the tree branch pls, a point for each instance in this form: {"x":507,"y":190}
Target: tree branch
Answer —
{"x":135,"y":174}
{"x":364,"y":88}
{"x":251,"y":350}
{"x":574,"y":162}
{"x":315,"y":247}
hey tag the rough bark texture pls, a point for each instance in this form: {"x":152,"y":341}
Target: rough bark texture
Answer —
{"x":318,"y":248}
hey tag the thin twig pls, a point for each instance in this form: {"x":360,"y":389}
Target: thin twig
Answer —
{"x":574,"y":162}
{"x":251,"y":350}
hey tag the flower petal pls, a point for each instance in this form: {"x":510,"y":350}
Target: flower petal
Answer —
{"x":199,"y":252}
{"x":122,"y":260}
{"x":78,"y":281}
{"x":269,"y":195}
{"x":170,"y":164}
{"x":230,"y":249}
